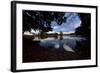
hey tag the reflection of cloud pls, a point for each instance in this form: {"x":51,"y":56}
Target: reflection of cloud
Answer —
{"x":67,"y":48}
{"x":73,"y":21}
{"x":56,"y":46}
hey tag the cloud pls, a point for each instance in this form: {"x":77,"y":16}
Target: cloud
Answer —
{"x":73,"y":21}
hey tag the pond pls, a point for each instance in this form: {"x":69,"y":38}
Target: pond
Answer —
{"x":56,"y":49}
{"x":65,"y":43}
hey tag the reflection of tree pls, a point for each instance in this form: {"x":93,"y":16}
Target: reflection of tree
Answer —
{"x":83,"y":49}
{"x":84,"y":29}
{"x":44,"y":35}
{"x":40,"y":20}
{"x":61,"y":35}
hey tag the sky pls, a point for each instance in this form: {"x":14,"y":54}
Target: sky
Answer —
{"x":72,"y":22}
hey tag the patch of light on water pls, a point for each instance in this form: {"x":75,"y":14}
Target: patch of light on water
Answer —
{"x":46,"y":39}
{"x":67,"y":48}
{"x":74,"y":38}
{"x":67,"y":43}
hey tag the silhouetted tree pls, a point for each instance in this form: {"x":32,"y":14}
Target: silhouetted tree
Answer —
{"x":85,"y":27}
{"x":40,"y":20}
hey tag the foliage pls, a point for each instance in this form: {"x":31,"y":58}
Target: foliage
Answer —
{"x":40,"y":20}
{"x":85,"y":28}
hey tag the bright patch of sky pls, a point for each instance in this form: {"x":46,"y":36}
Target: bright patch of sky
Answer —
{"x":71,"y":23}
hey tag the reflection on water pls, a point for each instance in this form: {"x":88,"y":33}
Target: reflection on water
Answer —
{"x":50,"y":48}
{"x":62,"y":43}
